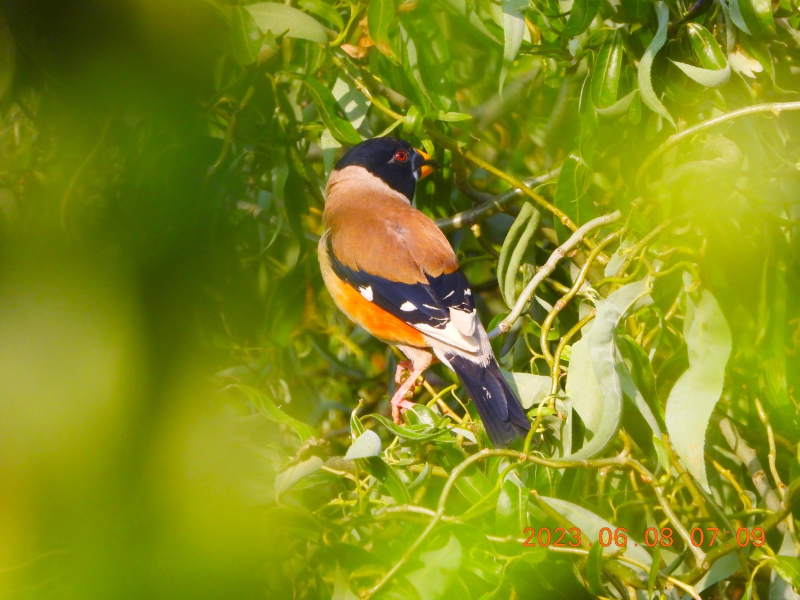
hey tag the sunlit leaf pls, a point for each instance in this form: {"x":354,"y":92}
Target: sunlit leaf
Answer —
{"x":386,"y":474}
{"x":513,"y":31}
{"x":607,"y":71}
{"x":695,"y":394}
{"x":367,"y":444}
{"x":605,"y":356}
{"x":331,"y":113}
{"x":282,"y":19}
{"x":530,"y":389}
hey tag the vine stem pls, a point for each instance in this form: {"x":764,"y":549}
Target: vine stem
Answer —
{"x":547,"y":268}
{"x":564,"y":300}
{"x":673,"y":140}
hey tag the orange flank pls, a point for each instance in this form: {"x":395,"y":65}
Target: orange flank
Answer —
{"x":383,"y":325}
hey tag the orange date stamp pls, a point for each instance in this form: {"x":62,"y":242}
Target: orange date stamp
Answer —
{"x":561,"y":537}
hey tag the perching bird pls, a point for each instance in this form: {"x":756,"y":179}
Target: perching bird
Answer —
{"x":393,"y":272}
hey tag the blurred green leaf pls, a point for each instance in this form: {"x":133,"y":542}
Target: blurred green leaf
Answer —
{"x":246,"y":36}
{"x":286,"y":479}
{"x":649,"y":96}
{"x":513,"y":31}
{"x":380,"y":15}
{"x":272,"y":412}
{"x":594,"y":570}
{"x":440,"y":566}
{"x":757,"y":15}
{"x":282,"y":19}
{"x":325,"y":11}
{"x":695,"y":394}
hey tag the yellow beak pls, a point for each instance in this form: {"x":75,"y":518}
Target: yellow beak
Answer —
{"x":428,"y":166}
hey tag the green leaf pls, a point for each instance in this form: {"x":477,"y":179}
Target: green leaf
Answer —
{"x":590,"y":525}
{"x":341,"y":589}
{"x":737,"y":18}
{"x":646,"y":65}
{"x":386,"y":474}
{"x":704,"y":46}
{"x":380,"y":15}
{"x":367,"y":444}
{"x":788,"y":567}
{"x":620,"y":106}
{"x":513,"y":32}
{"x":607,"y":71}
{"x":757,"y":14}
{"x":618,"y":258}
{"x":324,"y":10}
{"x":8,"y":51}
{"x":580,"y":17}
{"x":514,"y":247}
{"x":246,"y":37}
{"x":652,"y":576}
{"x":440,"y":566}
{"x":780,"y":587}
{"x":286,"y":479}
{"x":451,"y":117}
{"x":605,"y":357}
{"x":693,"y":397}
{"x":273,"y":413}
{"x":708,"y":77}
{"x":416,"y":433}
{"x":594,"y":570}
{"x":331,"y":113}
{"x":572,"y":183}
{"x":582,"y":386}
{"x":530,"y":389}
{"x":282,"y":19}
{"x":512,"y":507}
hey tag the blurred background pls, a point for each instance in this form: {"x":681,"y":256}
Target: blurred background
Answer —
{"x":161,"y":176}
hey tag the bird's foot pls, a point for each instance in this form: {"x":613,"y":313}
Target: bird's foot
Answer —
{"x":399,"y":404}
{"x":403,"y":371}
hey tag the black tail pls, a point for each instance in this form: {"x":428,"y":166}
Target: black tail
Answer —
{"x":500,"y":410}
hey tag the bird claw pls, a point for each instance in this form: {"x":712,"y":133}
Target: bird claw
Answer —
{"x":398,"y":406}
{"x":403,"y":371}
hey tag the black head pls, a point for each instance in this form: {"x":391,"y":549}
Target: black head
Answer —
{"x":395,"y":161}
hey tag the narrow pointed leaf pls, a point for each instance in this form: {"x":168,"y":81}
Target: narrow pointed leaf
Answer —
{"x":580,"y":17}
{"x":693,"y":397}
{"x":331,"y":113}
{"x":605,"y":357}
{"x":646,"y":65}
{"x":513,"y":32}
{"x":380,"y":14}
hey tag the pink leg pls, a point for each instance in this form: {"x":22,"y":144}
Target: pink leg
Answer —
{"x":403,"y":365}
{"x":419,"y":361}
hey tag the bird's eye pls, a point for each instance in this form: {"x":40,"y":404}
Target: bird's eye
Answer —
{"x":401,"y":156}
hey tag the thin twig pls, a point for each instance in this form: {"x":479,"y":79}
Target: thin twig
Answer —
{"x":495,"y":205}
{"x":773,"y":107}
{"x":547,"y":268}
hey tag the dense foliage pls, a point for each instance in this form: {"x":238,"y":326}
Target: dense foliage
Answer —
{"x":185,"y":412}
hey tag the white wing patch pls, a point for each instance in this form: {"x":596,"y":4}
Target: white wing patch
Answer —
{"x":407,"y":306}
{"x":462,"y":331}
{"x":366,"y":291}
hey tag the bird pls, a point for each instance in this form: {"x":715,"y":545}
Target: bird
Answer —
{"x":391,"y":270}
